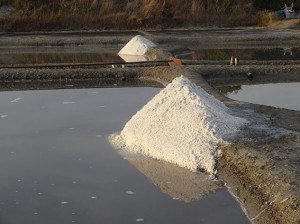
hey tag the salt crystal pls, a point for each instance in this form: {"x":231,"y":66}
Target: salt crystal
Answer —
{"x":182,"y":124}
{"x":16,"y":100}
{"x":138,"y":45}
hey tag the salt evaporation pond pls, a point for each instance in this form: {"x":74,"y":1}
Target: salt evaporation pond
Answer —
{"x":276,"y":53}
{"x":281,"y":95}
{"x":58,"y":54}
{"x":57,"y":165}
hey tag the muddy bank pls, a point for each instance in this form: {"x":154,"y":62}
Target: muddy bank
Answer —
{"x":229,"y":37}
{"x":77,"y":84}
{"x":214,"y":74}
{"x":167,"y":39}
{"x":261,"y":167}
{"x":82,"y":74}
{"x":264,"y":176}
{"x":66,"y":38}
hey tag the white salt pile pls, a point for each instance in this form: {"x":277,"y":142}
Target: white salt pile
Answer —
{"x":138,"y":45}
{"x":182,"y":124}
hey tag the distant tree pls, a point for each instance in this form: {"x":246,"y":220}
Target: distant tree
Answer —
{"x":274,"y":4}
{"x":5,"y":2}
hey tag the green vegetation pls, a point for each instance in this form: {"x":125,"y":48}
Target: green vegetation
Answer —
{"x":131,"y":14}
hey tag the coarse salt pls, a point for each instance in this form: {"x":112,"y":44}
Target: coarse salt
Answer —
{"x":182,"y":124}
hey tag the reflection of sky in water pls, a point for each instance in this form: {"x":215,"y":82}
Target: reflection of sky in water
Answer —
{"x":285,"y":53}
{"x":54,"y":54}
{"x":57,"y":166}
{"x":100,"y":54}
{"x":281,"y":95}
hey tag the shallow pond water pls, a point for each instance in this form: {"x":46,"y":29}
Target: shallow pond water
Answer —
{"x":281,"y":95}
{"x":58,"y":54}
{"x":100,"y":54}
{"x":57,"y":166}
{"x":285,"y":53}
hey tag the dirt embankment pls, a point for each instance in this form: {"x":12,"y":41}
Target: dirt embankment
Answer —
{"x":261,"y":167}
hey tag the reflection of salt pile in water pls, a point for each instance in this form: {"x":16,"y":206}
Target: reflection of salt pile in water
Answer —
{"x":182,"y":125}
{"x":179,"y":183}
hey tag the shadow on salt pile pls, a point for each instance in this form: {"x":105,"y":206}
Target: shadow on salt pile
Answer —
{"x":182,"y":125}
{"x":179,"y":183}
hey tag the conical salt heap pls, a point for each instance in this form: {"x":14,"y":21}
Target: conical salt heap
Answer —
{"x":182,"y":124}
{"x":138,"y":45}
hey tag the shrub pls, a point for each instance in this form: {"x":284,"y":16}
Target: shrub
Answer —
{"x":63,"y":14}
{"x":264,"y":18}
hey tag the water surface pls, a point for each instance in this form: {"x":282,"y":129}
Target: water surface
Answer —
{"x":56,"y":164}
{"x":58,"y":54}
{"x":280,"y":95}
{"x":284,"y":53}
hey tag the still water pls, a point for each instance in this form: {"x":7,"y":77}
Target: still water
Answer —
{"x":280,"y":95}
{"x":100,"y":54}
{"x":57,"y":166}
{"x":58,"y":54}
{"x":284,"y":53}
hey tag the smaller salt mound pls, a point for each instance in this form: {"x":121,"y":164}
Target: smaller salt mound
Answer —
{"x":138,"y":45}
{"x":182,"y":124}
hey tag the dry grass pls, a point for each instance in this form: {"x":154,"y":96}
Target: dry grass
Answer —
{"x":120,"y":14}
{"x":264,"y":18}
{"x":286,"y":24}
